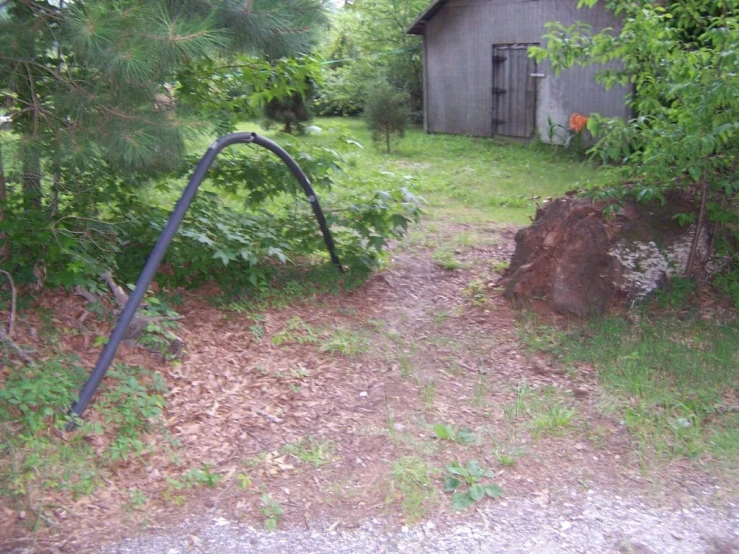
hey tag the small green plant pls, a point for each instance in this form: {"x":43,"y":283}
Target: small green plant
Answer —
{"x":476,"y":293}
{"x":481,"y":390}
{"x":272,"y":512}
{"x":429,"y":393}
{"x":137,"y":498}
{"x":296,"y":331}
{"x":407,"y":369}
{"x":243,"y":480}
{"x":552,"y":419}
{"x":411,"y":479}
{"x":501,"y":266}
{"x":313,"y":451}
{"x":466,"y":484}
{"x":345,"y":343}
{"x":513,"y":412}
{"x":506,"y":459}
{"x":201,"y":476}
{"x":448,"y":432}
{"x":446,"y":260}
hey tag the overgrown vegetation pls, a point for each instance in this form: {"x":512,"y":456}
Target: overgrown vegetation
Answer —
{"x":681,"y":59}
{"x":367,"y":43}
{"x":668,"y":381}
{"x":37,"y":459}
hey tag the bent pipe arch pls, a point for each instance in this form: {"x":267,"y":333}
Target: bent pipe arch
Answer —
{"x":160,"y":248}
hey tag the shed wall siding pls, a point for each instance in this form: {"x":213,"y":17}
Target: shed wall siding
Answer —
{"x":458,"y":43}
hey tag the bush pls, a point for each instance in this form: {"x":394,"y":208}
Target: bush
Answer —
{"x":681,"y":59}
{"x":257,"y":221}
{"x":338,"y":95}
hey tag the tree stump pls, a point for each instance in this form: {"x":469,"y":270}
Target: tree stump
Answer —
{"x":572,"y":260}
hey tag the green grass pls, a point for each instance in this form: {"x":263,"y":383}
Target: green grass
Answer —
{"x":669,"y":382}
{"x":446,"y":260}
{"x":411,"y":481}
{"x":464,"y":179}
{"x":312,"y":451}
{"x":346,"y":343}
{"x":544,"y":411}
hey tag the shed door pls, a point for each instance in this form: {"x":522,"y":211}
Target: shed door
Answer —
{"x":514,"y":91}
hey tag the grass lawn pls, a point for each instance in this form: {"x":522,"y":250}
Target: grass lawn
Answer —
{"x":464,"y":179}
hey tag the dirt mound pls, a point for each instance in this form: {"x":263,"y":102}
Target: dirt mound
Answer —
{"x":573,"y":260}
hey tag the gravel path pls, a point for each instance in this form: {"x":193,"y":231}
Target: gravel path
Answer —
{"x":594,"y":522}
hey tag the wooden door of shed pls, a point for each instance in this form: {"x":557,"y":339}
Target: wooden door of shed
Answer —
{"x":514,"y":91}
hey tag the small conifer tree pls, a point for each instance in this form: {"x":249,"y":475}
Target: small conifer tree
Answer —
{"x":386,"y":112}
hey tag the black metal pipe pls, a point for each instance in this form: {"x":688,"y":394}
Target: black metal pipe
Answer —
{"x":160,"y":248}
{"x":307,"y":188}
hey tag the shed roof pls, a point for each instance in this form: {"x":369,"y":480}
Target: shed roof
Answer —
{"x":417,"y":26}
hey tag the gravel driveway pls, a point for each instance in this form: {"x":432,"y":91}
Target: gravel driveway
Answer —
{"x":592,"y":522}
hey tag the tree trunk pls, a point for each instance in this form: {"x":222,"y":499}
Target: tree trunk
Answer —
{"x":4,"y":246}
{"x":387,"y":139}
{"x":699,"y":228}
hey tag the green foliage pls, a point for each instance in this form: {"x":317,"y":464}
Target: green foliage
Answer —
{"x":272,"y":512}
{"x":223,"y":92}
{"x":448,"y":432}
{"x":103,"y":97}
{"x":386,"y":112}
{"x":201,"y":476}
{"x":366,"y":44}
{"x":339,"y":94}
{"x":34,"y":403}
{"x":681,"y":60}
{"x":468,"y":486}
{"x":275,"y":227}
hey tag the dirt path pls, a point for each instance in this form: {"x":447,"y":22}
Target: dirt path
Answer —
{"x":326,"y":412}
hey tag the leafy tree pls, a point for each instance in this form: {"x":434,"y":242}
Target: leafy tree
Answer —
{"x":386,"y":112}
{"x":681,"y":59}
{"x":368,"y":42}
{"x":293,"y":108}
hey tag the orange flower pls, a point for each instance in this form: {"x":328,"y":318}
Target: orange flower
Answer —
{"x":578,"y":122}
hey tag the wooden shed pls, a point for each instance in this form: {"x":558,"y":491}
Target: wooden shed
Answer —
{"x":479,"y":81}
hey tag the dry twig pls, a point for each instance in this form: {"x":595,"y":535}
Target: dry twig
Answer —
{"x":7,"y":337}
{"x":11,"y":323}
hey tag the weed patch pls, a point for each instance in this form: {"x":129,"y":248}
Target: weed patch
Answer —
{"x":312,"y":451}
{"x":345,"y":343}
{"x":668,"y":380}
{"x":412,"y":482}
{"x":37,"y":458}
{"x":467,"y":483}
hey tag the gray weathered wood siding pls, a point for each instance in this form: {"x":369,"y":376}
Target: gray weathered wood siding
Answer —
{"x":458,"y":45}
